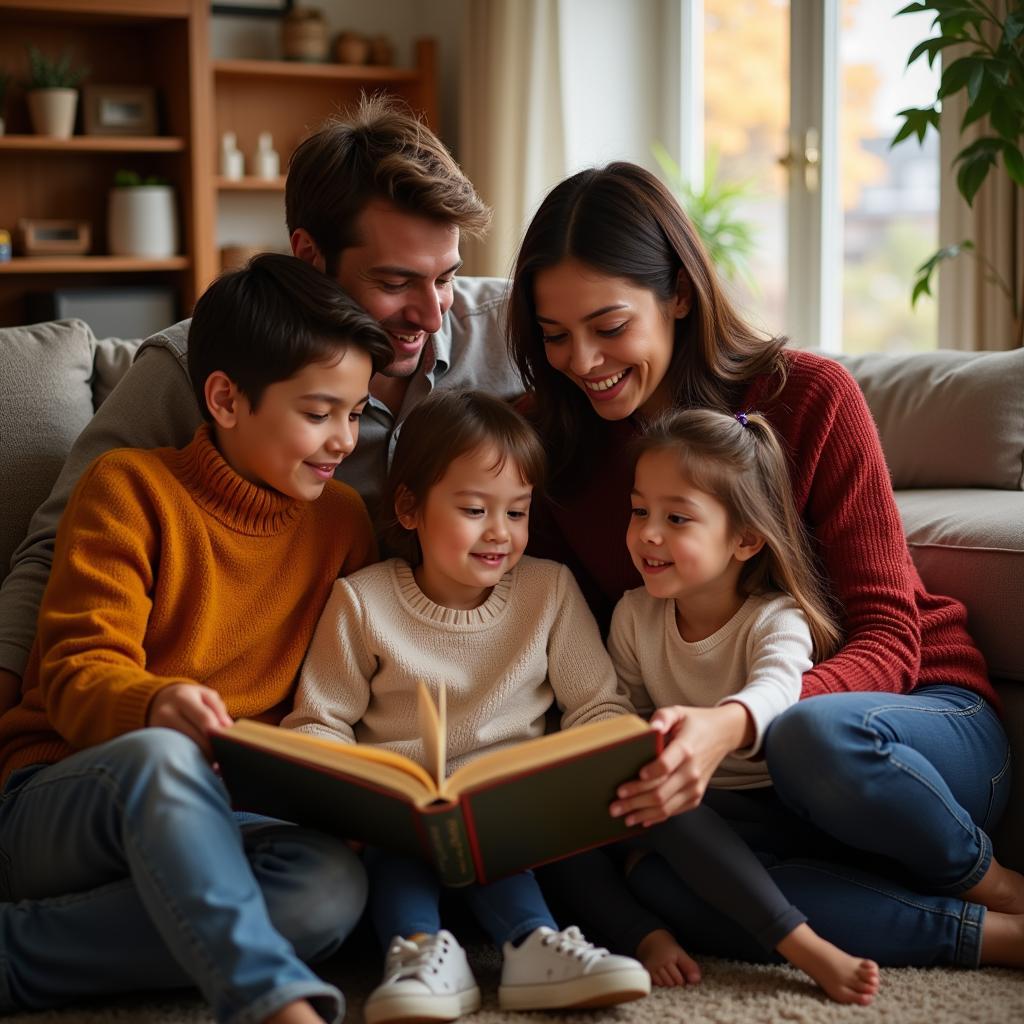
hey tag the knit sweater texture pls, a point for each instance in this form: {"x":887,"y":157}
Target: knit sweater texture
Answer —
{"x":501,"y":665}
{"x":171,"y":568}
{"x":756,"y":659}
{"x":897,"y":635}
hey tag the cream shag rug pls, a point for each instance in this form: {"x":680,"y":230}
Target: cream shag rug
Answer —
{"x":731,"y":993}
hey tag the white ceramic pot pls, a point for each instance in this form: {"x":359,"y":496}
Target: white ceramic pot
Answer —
{"x":142,"y":220}
{"x":53,"y":111}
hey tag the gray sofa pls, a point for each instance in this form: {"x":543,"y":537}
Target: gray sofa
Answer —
{"x":951,"y":423}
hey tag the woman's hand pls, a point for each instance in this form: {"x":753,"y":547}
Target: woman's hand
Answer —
{"x":192,"y":709}
{"x":696,"y":741}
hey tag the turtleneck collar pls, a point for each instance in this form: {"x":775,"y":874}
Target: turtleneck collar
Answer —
{"x":231,"y":499}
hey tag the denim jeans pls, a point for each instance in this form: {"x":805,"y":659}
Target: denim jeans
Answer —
{"x":405,"y":897}
{"x":124,"y":868}
{"x":879,"y":817}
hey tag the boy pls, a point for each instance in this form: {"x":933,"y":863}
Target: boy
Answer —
{"x":185,"y":589}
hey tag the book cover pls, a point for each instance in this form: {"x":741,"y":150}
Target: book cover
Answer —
{"x":506,"y":811}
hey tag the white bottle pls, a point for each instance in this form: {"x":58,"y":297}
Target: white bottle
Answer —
{"x":232,"y":160}
{"x":267,"y":163}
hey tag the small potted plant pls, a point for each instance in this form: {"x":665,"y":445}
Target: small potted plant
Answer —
{"x":142,"y":218}
{"x":52,"y":89}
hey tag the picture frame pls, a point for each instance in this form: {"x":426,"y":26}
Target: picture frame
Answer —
{"x":257,"y":8}
{"x":119,"y":109}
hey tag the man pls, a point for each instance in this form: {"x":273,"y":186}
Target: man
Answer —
{"x":377,"y":203}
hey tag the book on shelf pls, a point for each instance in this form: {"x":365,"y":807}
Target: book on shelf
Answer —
{"x":505,"y":811}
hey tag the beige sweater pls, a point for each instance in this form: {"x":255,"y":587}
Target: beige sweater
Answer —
{"x":502,"y":665}
{"x":757,"y":658}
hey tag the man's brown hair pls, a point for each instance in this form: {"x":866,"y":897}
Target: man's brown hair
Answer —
{"x":380,"y":151}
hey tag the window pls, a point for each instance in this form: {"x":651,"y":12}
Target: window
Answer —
{"x":800,"y":99}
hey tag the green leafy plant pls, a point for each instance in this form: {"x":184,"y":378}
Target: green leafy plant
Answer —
{"x":48,"y":73}
{"x":990,"y":68}
{"x":132,"y":179}
{"x":714,"y":210}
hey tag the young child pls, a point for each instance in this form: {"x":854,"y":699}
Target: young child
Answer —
{"x":505,"y":637}
{"x":725,"y":624}
{"x":185,"y":589}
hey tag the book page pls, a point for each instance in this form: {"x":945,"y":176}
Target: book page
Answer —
{"x":533,"y":754}
{"x":392,"y":771}
{"x":433,"y":723}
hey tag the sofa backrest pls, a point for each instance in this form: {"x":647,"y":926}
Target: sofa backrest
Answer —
{"x":53,"y":377}
{"x":947,"y":419}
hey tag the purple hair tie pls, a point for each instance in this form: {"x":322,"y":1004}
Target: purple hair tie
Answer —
{"x":742,"y":418}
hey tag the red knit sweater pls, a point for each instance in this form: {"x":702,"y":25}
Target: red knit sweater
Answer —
{"x":898,"y":636}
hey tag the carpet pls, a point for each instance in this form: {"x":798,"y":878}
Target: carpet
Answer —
{"x":731,"y":993}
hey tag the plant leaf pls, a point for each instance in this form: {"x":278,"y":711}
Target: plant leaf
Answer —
{"x":1013,"y":26}
{"x":972,"y":174}
{"x":932,"y":47}
{"x":980,"y":105}
{"x":955,"y":77}
{"x":923,"y":282}
{"x":1004,"y":119}
{"x":975,"y":82}
{"x":1014,"y":160}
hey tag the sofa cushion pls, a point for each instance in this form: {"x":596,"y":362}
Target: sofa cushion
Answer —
{"x":947,"y":419}
{"x":969,"y":544}
{"x":112,"y":358}
{"x":45,"y":380}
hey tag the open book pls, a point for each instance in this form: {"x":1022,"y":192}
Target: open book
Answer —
{"x":507,"y":810}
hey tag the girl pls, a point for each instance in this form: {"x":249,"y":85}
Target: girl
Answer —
{"x":894,"y":783}
{"x":724,"y":625}
{"x":506,"y":637}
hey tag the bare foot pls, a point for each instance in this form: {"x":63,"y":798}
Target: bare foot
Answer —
{"x":1002,"y":939}
{"x":299,"y":1012}
{"x":847,"y":979}
{"x":1000,"y":889}
{"x":666,"y":961}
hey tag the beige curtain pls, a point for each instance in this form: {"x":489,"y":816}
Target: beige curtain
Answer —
{"x":511,"y":139}
{"x":973,"y":313}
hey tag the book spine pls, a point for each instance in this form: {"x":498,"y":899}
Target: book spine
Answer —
{"x":448,"y":844}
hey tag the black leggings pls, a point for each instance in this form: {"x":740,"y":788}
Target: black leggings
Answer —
{"x":707,"y":855}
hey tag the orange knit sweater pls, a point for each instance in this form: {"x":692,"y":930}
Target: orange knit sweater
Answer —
{"x":171,"y":568}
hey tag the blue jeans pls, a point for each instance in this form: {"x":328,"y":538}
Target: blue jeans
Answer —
{"x":405,"y":897}
{"x":124,"y":868}
{"x":879,"y":817}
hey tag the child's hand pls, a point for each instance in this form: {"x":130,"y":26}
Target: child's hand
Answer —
{"x":698,"y":739}
{"x":192,"y":709}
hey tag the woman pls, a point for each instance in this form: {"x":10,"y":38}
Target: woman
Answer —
{"x":616,"y":315}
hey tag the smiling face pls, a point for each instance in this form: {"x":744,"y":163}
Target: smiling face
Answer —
{"x":400,"y":271}
{"x":612,"y":338}
{"x":300,"y":430}
{"x":472,"y":528}
{"x":682,"y":541}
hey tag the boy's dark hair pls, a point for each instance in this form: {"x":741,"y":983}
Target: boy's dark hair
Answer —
{"x":444,"y":426}
{"x":264,"y":322}
{"x":381,"y":151}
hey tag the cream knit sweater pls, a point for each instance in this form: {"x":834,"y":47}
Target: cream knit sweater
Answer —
{"x":757,"y":658}
{"x":502,"y":665}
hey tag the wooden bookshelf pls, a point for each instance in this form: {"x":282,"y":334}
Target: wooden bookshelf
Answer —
{"x":290,"y":99}
{"x":159,"y":43}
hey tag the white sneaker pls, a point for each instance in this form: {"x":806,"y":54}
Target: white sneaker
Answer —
{"x":423,"y":981}
{"x":554,"y":970}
